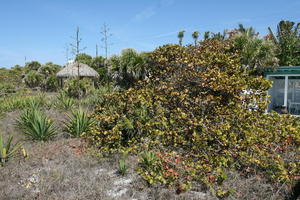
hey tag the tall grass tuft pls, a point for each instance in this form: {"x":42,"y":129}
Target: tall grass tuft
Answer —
{"x":35,"y":125}
{"x":78,"y":122}
{"x":7,"y":150}
{"x":123,"y":168}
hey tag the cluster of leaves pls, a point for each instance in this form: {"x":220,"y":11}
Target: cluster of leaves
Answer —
{"x":128,"y":68}
{"x":98,"y":63}
{"x":77,"y":88}
{"x":287,"y":41}
{"x":78,"y":123}
{"x":166,"y":168}
{"x":20,"y":101}
{"x":10,"y":79}
{"x":7,"y":149}
{"x":44,"y":76}
{"x":194,"y":103}
{"x":256,"y":54}
{"x":35,"y":125}
{"x":64,"y":102}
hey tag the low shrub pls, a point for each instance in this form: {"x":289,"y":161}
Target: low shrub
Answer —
{"x":6,"y":88}
{"x":78,"y":123}
{"x":7,"y":149}
{"x":78,"y":88}
{"x":33,"y":79}
{"x":36,"y":126}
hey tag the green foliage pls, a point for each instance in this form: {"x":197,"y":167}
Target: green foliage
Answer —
{"x":6,"y":88}
{"x":128,"y":68}
{"x":78,"y":88}
{"x":50,"y":84}
{"x":32,"y":66}
{"x":84,"y":58}
{"x":148,"y":159}
{"x":256,"y":54}
{"x":7,"y":149}
{"x":287,"y":41}
{"x":49,"y":69}
{"x":11,"y":78}
{"x":64,"y":102}
{"x":21,"y":101}
{"x":48,"y":72}
{"x":44,"y":76}
{"x":195,"y":36}
{"x":33,"y":79}
{"x":181,"y":36}
{"x":122,"y":167}
{"x":192,"y":109}
{"x":78,"y":123}
{"x":98,"y":64}
{"x":35,"y":125}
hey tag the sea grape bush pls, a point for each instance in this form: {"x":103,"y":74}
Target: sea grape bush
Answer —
{"x":191,"y":103}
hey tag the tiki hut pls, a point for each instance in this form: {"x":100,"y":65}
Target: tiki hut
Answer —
{"x":75,"y":69}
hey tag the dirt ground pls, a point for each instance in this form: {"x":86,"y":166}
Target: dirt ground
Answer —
{"x":63,"y":169}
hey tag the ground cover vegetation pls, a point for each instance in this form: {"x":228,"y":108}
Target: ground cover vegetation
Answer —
{"x":174,"y":123}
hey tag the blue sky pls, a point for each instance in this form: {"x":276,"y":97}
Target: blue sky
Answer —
{"x":41,"y":29}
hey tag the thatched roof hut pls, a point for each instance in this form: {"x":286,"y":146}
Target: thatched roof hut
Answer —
{"x":71,"y":71}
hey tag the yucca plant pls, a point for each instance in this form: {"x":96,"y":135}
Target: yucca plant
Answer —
{"x":33,"y":103}
{"x":64,"y":102}
{"x":78,"y":122}
{"x":7,"y":150}
{"x":36,"y":126}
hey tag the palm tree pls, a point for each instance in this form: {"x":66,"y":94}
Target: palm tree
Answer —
{"x":206,"y":35}
{"x":180,"y":36}
{"x":287,"y":41}
{"x":250,"y":32}
{"x":256,"y":54}
{"x":195,"y":36}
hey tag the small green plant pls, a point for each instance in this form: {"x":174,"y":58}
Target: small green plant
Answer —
{"x":148,"y":159}
{"x":7,"y":150}
{"x":78,"y":122}
{"x":122,"y":167}
{"x":35,"y":125}
{"x":64,"y":102}
{"x":78,"y":88}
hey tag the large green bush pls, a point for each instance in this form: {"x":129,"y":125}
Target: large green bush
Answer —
{"x":192,"y":107}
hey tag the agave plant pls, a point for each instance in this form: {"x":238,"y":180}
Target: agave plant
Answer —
{"x":36,"y":126}
{"x":64,"y":102}
{"x":7,"y":150}
{"x":78,"y":122}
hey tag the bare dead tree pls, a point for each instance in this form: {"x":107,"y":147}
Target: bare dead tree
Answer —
{"x":75,"y":46}
{"x":67,"y":52}
{"x":105,"y":35}
{"x":77,"y":49}
{"x":96,"y":50}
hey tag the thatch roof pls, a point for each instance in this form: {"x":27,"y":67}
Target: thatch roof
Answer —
{"x":71,"y":70}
